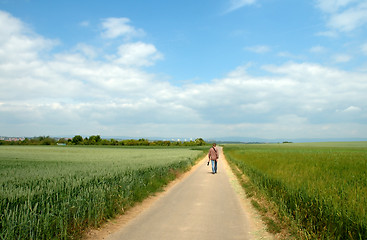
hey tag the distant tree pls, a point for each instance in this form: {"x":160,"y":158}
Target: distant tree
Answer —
{"x":143,"y":142}
{"x":105,"y":142}
{"x":199,"y":141}
{"x":77,"y":139}
{"x":94,"y":139}
{"x":114,"y":142}
{"x":178,"y":143}
{"x":130,"y":142}
{"x":47,"y":141}
{"x":166,"y":143}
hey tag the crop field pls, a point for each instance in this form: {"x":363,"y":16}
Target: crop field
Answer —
{"x":56,"y":192}
{"x":322,"y":186}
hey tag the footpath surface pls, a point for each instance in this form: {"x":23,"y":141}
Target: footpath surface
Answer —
{"x":201,"y":206}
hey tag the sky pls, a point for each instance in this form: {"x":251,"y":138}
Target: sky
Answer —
{"x":273,"y":69}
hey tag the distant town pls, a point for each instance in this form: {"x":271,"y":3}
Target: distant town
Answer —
{"x":12,"y":139}
{"x":25,"y":140}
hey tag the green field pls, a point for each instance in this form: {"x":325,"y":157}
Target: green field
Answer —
{"x":322,"y":186}
{"x":57,"y":192}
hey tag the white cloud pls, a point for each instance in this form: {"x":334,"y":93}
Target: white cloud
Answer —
{"x":332,"y":6}
{"x":117,"y":27}
{"x":84,"y":23}
{"x":86,"y":50}
{"x":138,"y":54}
{"x":77,"y":93}
{"x":237,"y":4}
{"x":317,"y":92}
{"x":344,"y":15}
{"x":342,"y":58}
{"x":331,"y":34}
{"x":258,"y":49}
{"x":317,"y":49}
{"x":70,"y":77}
{"x":349,"y":19}
{"x":18,"y":43}
{"x":352,"y":109}
{"x":305,"y":91}
{"x":364,"y":48}
{"x":289,"y":55}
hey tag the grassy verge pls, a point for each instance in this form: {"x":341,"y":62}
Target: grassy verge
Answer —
{"x":277,"y":224}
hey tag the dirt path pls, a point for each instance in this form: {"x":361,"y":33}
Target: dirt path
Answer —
{"x":201,"y":205}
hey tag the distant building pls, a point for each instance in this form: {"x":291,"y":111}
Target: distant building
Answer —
{"x":12,"y":139}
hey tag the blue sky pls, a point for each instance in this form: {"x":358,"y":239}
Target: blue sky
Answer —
{"x":246,"y":68}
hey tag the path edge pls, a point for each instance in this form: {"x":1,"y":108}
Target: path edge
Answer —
{"x":257,"y":228}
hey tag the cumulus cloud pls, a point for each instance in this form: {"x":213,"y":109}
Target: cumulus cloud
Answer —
{"x":62,"y":92}
{"x":316,"y":91}
{"x":86,"y":50}
{"x":292,"y":98}
{"x":138,"y":54}
{"x":71,"y":77}
{"x":18,"y":43}
{"x":120,"y":27}
{"x":75,"y":92}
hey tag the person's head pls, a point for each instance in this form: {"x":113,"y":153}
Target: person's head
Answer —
{"x":214,"y":144}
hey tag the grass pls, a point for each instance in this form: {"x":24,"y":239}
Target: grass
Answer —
{"x":57,"y":192}
{"x":322,"y":186}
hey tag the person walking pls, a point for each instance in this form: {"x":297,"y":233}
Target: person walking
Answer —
{"x":213,"y":157}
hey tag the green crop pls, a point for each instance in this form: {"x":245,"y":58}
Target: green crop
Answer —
{"x":322,"y":186}
{"x":57,"y":192}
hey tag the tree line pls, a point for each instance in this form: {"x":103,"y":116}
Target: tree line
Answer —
{"x":97,"y":140}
